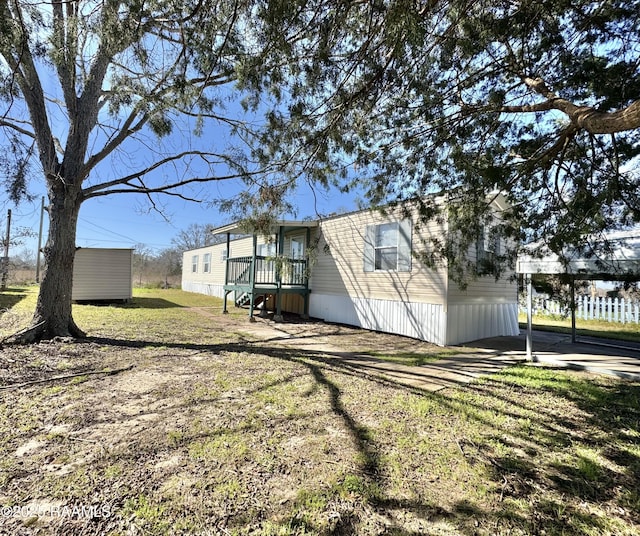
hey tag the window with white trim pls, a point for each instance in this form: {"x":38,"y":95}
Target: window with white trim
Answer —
{"x":194,"y":264}
{"x":297,"y":247}
{"x":267,"y":250}
{"x":206,"y":263}
{"x":388,"y":247}
{"x":487,"y":249}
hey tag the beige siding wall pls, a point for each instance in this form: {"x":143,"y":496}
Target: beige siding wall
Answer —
{"x":487,"y":307}
{"x":102,"y":274}
{"x":486,"y":289}
{"x":422,"y":303}
{"x":211,"y":282}
{"x":341,"y":270}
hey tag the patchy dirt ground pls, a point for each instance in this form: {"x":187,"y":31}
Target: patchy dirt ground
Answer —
{"x":214,"y":425}
{"x":107,"y":442}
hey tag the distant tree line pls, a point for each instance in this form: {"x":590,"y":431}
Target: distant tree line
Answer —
{"x":161,"y":268}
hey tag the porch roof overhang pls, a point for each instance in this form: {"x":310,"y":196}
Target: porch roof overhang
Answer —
{"x":289,"y":225}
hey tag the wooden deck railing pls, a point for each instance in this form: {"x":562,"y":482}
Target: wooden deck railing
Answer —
{"x":267,"y":271}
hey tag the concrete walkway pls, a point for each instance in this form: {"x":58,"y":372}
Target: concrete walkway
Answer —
{"x":477,"y":358}
{"x":450,"y":372}
{"x":480,"y":358}
{"x":488,"y":356}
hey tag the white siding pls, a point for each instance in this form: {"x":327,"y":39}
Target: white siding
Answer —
{"x":102,"y":274}
{"x":473,"y":321}
{"x":424,"y":321}
{"x":210,"y":289}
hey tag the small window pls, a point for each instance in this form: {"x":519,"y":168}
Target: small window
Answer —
{"x":267,"y":250}
{"x":297,"y":248}
{"x":388,"y":247}
{"x":194,"y":264}
{"x":223,"y":255}
{"x":487,"y":249}
{"x":206,"y":263}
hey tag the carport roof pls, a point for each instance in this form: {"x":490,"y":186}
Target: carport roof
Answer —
{"x":619,"y":260}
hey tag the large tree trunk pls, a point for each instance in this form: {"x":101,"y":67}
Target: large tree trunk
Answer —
{"x":53,"y":315}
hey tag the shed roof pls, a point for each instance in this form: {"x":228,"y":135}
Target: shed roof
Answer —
{"x":617,"y":256}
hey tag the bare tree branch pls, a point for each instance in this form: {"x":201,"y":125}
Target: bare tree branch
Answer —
{"x":17,"y":128}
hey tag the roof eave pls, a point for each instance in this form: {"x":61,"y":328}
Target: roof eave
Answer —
{"x":237,"y":227}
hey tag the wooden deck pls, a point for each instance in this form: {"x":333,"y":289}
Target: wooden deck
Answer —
{"x":280,"y":272}
{"x":253,"y":276}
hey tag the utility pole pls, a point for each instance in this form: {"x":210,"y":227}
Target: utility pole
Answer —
{"x":39,"y":242}
{"x":5,"y":258}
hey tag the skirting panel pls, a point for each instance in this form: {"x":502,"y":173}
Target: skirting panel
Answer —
{"x":209,"y":289}
{"x":470,"y":322}
{"x":424,"y":321}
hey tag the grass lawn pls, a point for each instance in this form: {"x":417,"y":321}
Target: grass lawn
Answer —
{"x":590,"y":328}
{"x":215,"y":431}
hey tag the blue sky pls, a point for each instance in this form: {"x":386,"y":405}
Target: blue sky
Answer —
{"x":124,"y":220}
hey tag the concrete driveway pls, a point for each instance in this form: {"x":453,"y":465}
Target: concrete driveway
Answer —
{"x":315,"y":339}
{"x":604,"y":356}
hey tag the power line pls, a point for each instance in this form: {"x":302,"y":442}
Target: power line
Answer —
{"x":108,"y":230}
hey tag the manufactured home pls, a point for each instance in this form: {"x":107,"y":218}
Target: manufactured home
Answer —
{"x":360,"y":269}
{"x":102,"y":274}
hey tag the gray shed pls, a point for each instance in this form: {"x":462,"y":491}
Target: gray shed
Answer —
{"x":102,"y":274}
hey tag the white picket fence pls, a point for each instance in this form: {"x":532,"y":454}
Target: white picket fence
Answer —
{"x":588,"y":308}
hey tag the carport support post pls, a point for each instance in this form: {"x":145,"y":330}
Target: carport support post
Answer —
{"x":573,"y":310}
{"x":529,"y":317}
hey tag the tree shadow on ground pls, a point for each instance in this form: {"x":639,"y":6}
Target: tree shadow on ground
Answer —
{"x":531,"y":492}
{"x":136,"y":303}
{"x":10,"y":297}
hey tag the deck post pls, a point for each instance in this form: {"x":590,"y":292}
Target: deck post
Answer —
{"x":278,"y":316}
{"x":305,"y":275}
{"x":226,"y":274}
{"x":252,"y":279}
